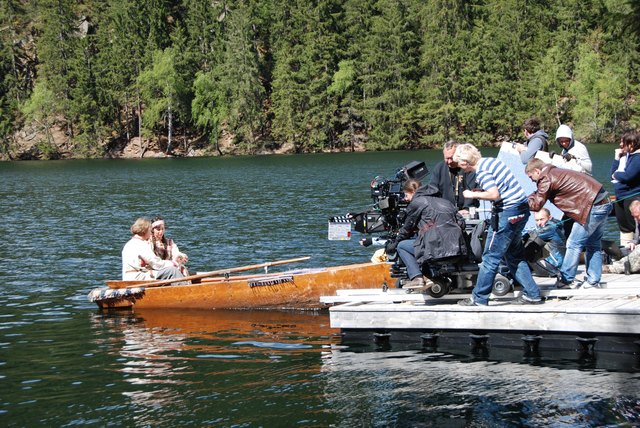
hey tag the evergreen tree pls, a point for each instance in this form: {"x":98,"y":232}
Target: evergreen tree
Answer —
{"x":598,"y":90}
{"x":56,"y":47}
{"x":389,"y":75}
{"x":84,"y":101}
{"x":446,"y":38}
{"x":507,"y":32}
{"x":342,"y":87}
{"x":163,"y":91}
{"x":204,"y":22}
{"x":240,"y":76}
{"x":123,"y":35}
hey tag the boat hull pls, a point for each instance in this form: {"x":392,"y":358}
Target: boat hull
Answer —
{"x":286,"y":290}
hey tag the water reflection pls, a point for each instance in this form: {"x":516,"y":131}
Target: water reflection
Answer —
{"x":457,"y":387}
{"x":178,"y":360}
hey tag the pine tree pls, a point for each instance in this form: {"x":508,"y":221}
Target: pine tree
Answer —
{"x":446,"y":40}
{"x":56,"y":47}
{"x":389,"y":75}
{"x":162,"y":90}
{"x":240,"y":76}
{"x":598,"y":90}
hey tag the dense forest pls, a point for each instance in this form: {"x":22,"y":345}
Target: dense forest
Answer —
{"x":253,"y":76}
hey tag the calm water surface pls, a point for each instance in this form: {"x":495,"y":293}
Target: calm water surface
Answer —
{"x":64,"y":363}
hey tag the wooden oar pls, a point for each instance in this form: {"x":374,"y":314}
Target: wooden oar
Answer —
{"x":142,"y":283}
{"x":128,"y":284}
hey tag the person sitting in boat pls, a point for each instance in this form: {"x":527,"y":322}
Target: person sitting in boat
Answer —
{"x":439,"y":228}
{"x":631,"y":262}
{"x":549,"y":230}
{"x":139,"y":262}
{"x":165,"y":247}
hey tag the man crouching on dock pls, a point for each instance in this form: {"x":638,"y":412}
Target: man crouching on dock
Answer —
{"x":509,"y":215}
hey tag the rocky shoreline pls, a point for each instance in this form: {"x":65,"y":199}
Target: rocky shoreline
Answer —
{"x":32,"y":144}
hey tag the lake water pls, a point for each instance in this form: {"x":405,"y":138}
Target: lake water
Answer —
{"x":64,"y":363}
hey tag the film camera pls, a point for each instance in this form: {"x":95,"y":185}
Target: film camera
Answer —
{"x":387,"y":217}
{"x":389,"y":205}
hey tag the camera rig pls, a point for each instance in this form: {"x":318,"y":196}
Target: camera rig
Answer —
{"x":389,"y":204}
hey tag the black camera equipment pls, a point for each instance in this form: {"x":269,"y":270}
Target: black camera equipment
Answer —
{"x":389,"y":204}
{"x":387,"y":217}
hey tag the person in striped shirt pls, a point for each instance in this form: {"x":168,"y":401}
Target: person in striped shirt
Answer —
{"x":509,"y":215}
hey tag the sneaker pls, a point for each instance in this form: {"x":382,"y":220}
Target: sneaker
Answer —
{"x":470,"y":302}
{"x":572,"y":285}
{"x":417,"y":282}
{"x":575,"y":284}
{"x":524,"y":300}
{"x":586,"y":285}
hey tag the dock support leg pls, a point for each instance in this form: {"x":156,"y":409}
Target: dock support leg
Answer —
{"x":531,"y":344}
{"x":479,"y":344}
{"x":382,"y":339}
{"x":587,"y":347}
{"x":430,"y":340}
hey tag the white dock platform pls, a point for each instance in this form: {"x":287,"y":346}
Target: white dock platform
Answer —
{"x":611,"y":310}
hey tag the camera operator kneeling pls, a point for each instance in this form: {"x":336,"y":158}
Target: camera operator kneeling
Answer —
{"x":439,"y":229}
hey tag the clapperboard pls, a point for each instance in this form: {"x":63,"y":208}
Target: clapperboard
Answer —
{"x":339,"y":228}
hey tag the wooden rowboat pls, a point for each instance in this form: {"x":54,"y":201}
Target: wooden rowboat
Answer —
{"x":296,"y":289}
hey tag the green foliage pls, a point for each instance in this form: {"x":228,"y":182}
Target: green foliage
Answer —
{"x":598,"y":90}
{"x":42,"y":106}
{"x":163,"y":91}
{"x":209,"y":108}
{"x":240,"y":75}
{"x":318,"y":75}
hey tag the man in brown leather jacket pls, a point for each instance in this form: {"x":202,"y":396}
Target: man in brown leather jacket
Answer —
{"x":583,"y":199}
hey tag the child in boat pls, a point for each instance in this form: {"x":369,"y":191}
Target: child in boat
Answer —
{"x":165,"y":247}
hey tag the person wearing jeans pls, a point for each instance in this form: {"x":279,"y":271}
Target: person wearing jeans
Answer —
{"x":510,"y":213}
{"x":406,"y":253}
{"x":589,"y":237}
{"x":583,"y":199}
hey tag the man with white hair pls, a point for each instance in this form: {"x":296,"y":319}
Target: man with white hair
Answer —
{"x":509,"y":215}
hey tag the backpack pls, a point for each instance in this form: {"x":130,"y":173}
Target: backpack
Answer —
{"x":477,"y":240}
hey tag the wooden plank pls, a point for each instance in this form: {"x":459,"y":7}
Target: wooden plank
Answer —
{"x":377,"y":295}
{"x":503,"y":317}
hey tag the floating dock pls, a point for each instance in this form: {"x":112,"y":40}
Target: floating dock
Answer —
{"x":607,"y":317}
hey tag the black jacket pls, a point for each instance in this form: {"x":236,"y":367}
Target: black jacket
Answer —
{"x":439,"y":227}
{"x":452,"y":182}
